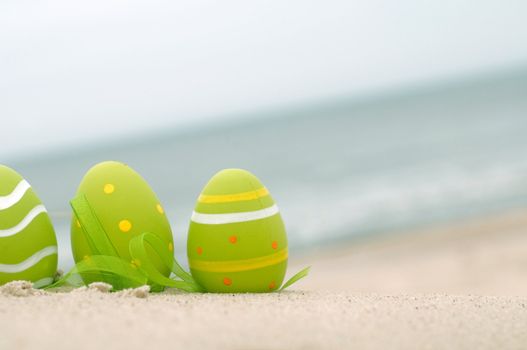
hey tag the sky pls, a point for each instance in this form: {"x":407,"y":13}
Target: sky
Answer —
{"x":75,"y":72}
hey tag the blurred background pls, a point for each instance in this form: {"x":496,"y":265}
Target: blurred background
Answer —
{"x":362,"y":118}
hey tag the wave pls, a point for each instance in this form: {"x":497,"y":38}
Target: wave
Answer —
{"x":29,"y":262}
{"x":15,"y":196}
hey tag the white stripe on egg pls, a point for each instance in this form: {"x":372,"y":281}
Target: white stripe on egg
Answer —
{"x":230,"y":218}
{"x":29,"y":262}
{"x":15,"y":196}
{"x":39,"y":209}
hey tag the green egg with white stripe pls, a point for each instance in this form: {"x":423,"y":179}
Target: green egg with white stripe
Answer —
{"x":237,"y":240}
{"x":28,"y":245}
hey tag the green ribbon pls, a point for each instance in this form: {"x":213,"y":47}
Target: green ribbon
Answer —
{"x":298,"y":276}
{"x":138,"y":252}
{"x":107,"y":266}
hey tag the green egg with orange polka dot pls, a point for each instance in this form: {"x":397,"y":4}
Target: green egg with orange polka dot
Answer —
{"x":237,"y":240}
{"x":125,"y":206}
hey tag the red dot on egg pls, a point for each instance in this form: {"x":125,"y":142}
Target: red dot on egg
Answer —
{"x":272,"y":285}
{"x":199,"y":250}
{"x":233,"y":239}
{"x":274,"y":245}
{"x":227,"y":281}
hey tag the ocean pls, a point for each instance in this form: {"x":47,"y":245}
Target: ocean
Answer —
{"x":338,"y":170}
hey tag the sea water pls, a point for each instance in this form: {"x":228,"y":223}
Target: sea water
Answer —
{"x":337,"y":170}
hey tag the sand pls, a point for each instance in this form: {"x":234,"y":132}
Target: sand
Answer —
{"x":483,"y":256}
{"x":460,"y":286}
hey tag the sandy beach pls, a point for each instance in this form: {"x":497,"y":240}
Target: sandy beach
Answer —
{"x":456,"y":286}
{"x":373,"y":152}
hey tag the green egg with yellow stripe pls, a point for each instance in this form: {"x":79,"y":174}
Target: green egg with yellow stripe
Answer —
{"x":124,"y":206}
{"x":28,"y":246}
{"x":237,"y":240}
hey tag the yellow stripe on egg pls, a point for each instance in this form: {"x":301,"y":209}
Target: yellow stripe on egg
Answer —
{"x":235,"y":197}
{"x":239,"y":265}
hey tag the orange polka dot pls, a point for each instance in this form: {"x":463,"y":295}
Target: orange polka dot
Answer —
{"x":272,"y":285}
{"x":274,"y":245}
{"x":233,"y":239}
{"x":125,"y":225}
{"x":199,"y":250}
{"x":160,"y":209}
{"x":227,"y":281}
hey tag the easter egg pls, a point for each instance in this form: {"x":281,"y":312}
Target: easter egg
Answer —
{"x":125,"y":206}
{"x":236,"y":240}
{"x":28,"y":245}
